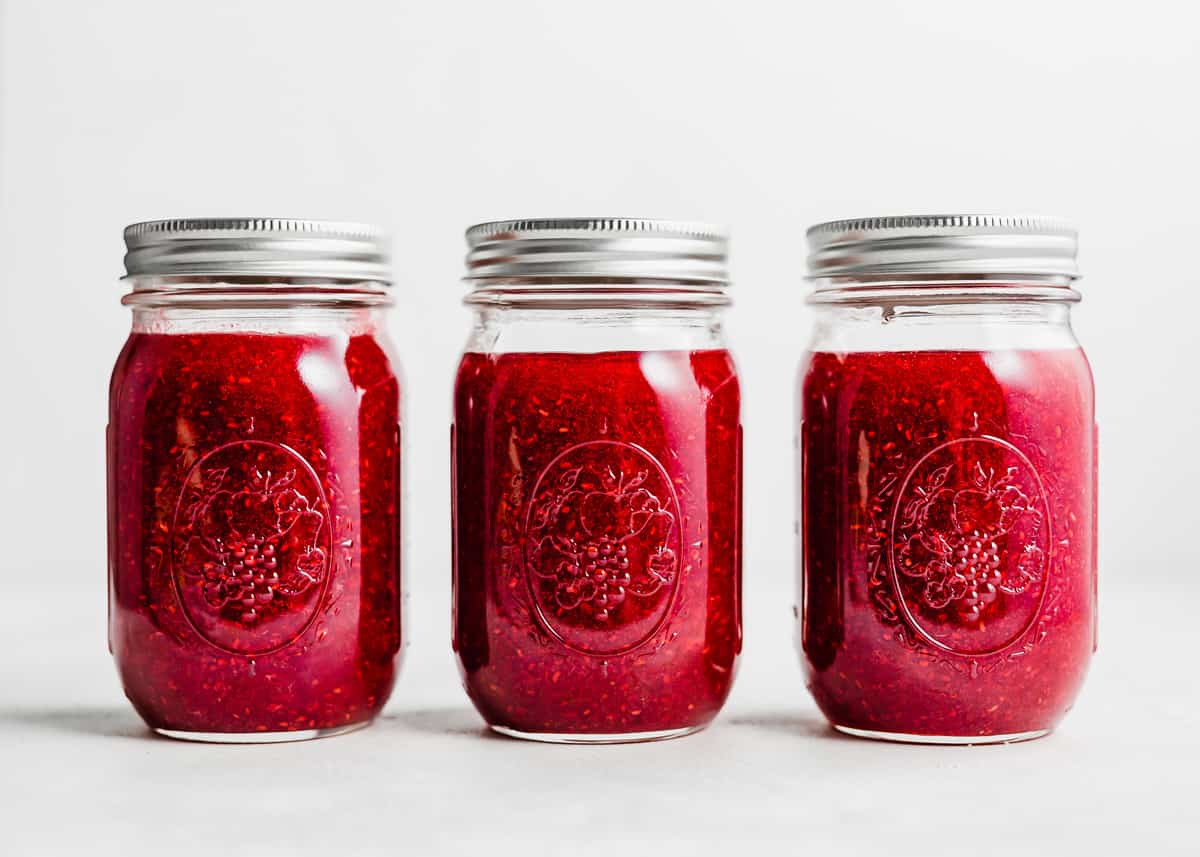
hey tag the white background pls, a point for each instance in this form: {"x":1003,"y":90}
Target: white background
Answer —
{"x":426,"y":117}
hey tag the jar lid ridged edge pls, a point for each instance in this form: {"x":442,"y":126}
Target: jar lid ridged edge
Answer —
{"x":600,"y":226}
{"x":199,"y":227}
{"x":548,"y":249}
{"x":999,"y":244}
{"x":257,"y":247}
{"x":1015,"y":223}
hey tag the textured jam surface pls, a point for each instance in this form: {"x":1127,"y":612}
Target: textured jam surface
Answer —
{"x":949,"y":538}
{"x":597,"y":544}
{"x":254,"y":534}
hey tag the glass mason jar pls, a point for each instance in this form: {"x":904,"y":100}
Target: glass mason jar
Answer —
{"x":597,"y":477}
{"x":254,"y":480}
{"x":948,"y":474}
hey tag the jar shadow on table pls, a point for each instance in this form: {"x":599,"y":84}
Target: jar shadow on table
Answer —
{"x":462,"y":722}
{"x":796,"y":725}
{"x":454,"y":722}
{"x":105,"y":722}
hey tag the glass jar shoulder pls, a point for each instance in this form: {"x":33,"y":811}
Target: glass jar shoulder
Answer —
{"x":556,"y":380}
{"x":595,"y":330}
{"x":224,"y":368}
{"x":947,"y":356}
{"x":371,"y":361}
{"x":978,"y":326}
{"x":941,"y":381}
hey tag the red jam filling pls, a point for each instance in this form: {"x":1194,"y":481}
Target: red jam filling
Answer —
{"x":254,"y":530}
{"x":949,"y":538}
{"x":597,"y":546}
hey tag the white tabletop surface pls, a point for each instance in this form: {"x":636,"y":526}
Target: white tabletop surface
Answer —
{"x":79,"y":773}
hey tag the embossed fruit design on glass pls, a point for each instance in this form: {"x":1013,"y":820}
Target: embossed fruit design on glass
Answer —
{"x":597,"y":481}
{"x":254,"y":495}
{"x":948,"y":475}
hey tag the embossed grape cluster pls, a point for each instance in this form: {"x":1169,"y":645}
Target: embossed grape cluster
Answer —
{"x":601,"y":573}
{"x":245,"y":579}
{"x":977,"y":559}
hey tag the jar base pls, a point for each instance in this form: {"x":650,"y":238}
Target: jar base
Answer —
{"x":961,"y":740}
{"x":596,"y":737}
{"x":260,"y":737}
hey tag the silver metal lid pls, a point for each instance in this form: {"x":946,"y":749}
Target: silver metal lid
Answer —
{"x":943,"y":244}
{"x":257,"y":247}
{"x":599,"y":247}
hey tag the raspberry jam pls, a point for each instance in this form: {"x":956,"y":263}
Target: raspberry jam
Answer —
{"x":597,"y":545}
{"x":949,"y":539}
{"x":254,"y":531}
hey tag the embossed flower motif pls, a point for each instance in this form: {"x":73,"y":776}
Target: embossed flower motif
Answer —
{"x":921,"y":554}
{"x":602,"y":544}
{"x":942,"y":586}
{"x":251,"y":546}
{"x":954,"y":538}
{"x":1030,"y":567}
{"x":927,"y":556}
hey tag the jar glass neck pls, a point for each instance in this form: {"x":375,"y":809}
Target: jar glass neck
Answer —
{"x":568,"y":293}
{"x":303,"y":320}
{"x":588,"y":329}
{"x":254,"y":292}
{"x":965,"y":287}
